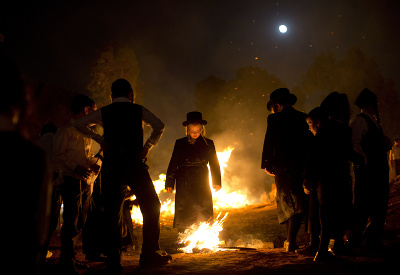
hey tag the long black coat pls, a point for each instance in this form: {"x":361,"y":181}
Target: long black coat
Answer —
{"x":284,"y":154}
{"x":328,"y":168}
{"x":188,"y":171}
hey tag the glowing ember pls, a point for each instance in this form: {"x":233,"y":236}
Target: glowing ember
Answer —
{"x":202,"y":236}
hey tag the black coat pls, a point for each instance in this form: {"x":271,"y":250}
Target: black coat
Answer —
{"x":188,"y":171}
{"x":328,"y":169}
{"x":284,"y":154}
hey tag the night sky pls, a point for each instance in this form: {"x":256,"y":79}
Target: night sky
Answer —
{"x":179,"y":43}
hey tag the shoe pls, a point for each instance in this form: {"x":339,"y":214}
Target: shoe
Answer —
{"x":290,"y":247}
{"x":95,"y":258}
{"x":156,"y":258}
{"x":326,"y":257}
{"x":308,"y":250}
{"x":49,"y":254}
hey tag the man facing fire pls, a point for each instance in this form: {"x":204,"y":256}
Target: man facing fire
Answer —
{"x":125,"y":165}
{"x":188,"y":171}
{"x":283,"y":157}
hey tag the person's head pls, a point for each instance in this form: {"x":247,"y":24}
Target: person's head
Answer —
{"x":316,"y":119}
{"x":82,"y":105}
{"x":367,"y":101}
{"x":122,"y":88}
{"x":337,"y":107}
{"x":48,"y":128}
{"x":194,"y":125}
{"x":195,"y":130}
{"x":12,"y":90}
{"x":279,"y":99}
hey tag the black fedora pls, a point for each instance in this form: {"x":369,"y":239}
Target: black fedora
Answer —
{"x":194,"y":117}
{"x":281,"y":96}
{"x":365,"y":98}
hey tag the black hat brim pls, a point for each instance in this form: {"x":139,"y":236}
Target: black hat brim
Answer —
{"x":290,"y":99}
{"x":195,"y":121}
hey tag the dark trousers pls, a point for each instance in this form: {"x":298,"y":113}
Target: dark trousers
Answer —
{"x":76,"y":196}
{"x":93,"y":230}
{"x":397,"y":166}
{"x":115,"y":178}
{"x":314,"y":225}
{"x":129,"y":237}
{"x":55,"y":208}
{"x":371,"y":197}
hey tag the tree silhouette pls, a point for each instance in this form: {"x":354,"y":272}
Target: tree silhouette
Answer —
{"x":114,"y":61}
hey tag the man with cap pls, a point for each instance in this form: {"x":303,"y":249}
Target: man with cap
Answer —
{"x":124,"y":165}
{"x":371,"y":171}
{"x":188,"y":174}
{"x":284,"y":155}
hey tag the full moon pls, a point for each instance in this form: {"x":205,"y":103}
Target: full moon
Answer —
{"x":282,"y":28}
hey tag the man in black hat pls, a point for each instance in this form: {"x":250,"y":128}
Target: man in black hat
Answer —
{"x":371,"y":171}
{"x":189,"y":175}
{"x":284,"y":156}
{"x":124,"y":165}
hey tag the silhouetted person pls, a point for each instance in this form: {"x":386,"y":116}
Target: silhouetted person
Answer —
{"x":284,"y":155}
{"x":327,"y":175}
{"x":124,"y":164}
{"x":334,"y":113}
{"x":73,"y":153}
{"x":188,"y":173}
{"x":371,"y":171}
{"x":25,"y":178}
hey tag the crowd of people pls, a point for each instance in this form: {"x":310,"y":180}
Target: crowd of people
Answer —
{"x":311,"y":156}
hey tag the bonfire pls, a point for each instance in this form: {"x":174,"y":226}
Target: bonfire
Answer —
{"x":202,"y":236}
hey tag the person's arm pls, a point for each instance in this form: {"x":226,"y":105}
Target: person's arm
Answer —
{"x":172,"y":169}
{"x":83,"y":125}
{"x":268,"y":149}
{"x":149,"y":119}
{"x":214,"y":168}
{"x":359,"y":128}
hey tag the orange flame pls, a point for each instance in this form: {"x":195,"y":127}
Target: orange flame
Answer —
{"x":202,"y":235}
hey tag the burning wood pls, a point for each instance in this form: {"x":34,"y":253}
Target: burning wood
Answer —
{"x":202,"y":237}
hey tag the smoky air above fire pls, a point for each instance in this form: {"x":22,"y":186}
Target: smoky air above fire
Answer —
{"x":222,"y":58}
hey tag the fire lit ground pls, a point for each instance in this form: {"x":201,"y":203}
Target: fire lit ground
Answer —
{"x":247,"y":240}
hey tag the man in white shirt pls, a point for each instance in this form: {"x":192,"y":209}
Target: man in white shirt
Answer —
{"x":124,"y":165}
{"x":73,"y":154}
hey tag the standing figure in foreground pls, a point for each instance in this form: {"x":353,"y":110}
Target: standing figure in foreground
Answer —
{"x":371,"y":187}
{"x":188,"y":173}
{"x":327,"y":173}
{"x":125,"y":165}
{"x":74,"y":156}
{"x":283,"y":157}
{"x":24,"y":175}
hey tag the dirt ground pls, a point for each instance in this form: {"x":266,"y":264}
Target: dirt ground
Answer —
{"x":257,"y":226}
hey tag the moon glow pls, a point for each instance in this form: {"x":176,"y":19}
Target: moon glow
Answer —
{"x":282,"y":28}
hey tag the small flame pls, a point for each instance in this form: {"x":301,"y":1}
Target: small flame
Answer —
{"x":202,"y":235}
